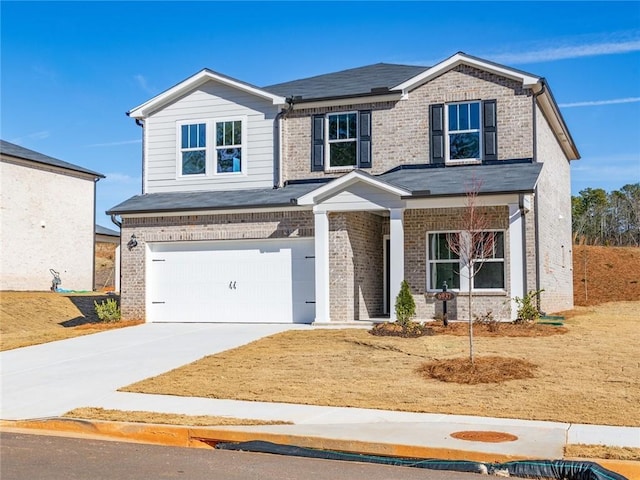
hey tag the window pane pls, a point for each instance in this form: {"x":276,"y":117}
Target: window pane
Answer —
{"x":202,"y":135}
{"x":499,"y":245}
{"x":229,"y":160}
{"x":490,"y":275}
{"x":463,"y":117}
{"x":342,"y":154}
{"x":475,"y":116}
{"x":193,"y":136}
{"x":219,"y":133}
{"x":353,"y":123}
{"x":464,"y":145}
{"x":193,"y":163}
{"x":185,"y":136}
{"x":333,"y":127}
{"x":453,"y":117}
{"x":237,"y":133}
{"x":444,"y":272}
{"x":228,"y":133}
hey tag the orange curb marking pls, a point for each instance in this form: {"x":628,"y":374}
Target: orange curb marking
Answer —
{"x":207,"y":437}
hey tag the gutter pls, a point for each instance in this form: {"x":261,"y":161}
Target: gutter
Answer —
{"x":536,"y":214}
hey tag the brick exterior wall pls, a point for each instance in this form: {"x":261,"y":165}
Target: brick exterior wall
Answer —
{"x":417,"y":223}
{"x":400,"y":130}
{"x":554,"y":221}
{"x":355,"y":266}
{"x":258,"y":225}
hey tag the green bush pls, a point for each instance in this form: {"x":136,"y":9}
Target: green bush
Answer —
{"x":405,"y":305}
{"x":528,"y":307}
{"x":108,"y":311}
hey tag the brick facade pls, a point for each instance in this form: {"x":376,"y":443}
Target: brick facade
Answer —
{"x":400,"y":130}
{"x":236,"y":226}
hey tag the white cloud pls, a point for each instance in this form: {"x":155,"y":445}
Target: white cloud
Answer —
{"x":142,"y":83}
{"x":566,"y":52}
{"x":593,"y":103}
{"x":115,"y":144}
{"x":41,"y":135}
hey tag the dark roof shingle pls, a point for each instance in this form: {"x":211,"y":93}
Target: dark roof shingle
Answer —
{"x":354,"y":81}
{"x":17,"y":151}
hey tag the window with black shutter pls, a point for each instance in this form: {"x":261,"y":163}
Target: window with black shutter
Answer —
{"x":341,"y":140}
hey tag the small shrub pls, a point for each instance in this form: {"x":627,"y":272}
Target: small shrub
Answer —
{"x":528,"y":307}
{"x":108,"y":311}
{"x":487,"y":320}
{"x":405,"y":305}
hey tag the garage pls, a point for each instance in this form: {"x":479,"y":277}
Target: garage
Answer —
{"x":235,"y":281}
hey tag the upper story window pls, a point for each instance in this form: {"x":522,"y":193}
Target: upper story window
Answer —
{"x":463,"y":131}
{"x":211,"y":147}
{"x":229,"y":146}
{"x":446,"y":266}
{"x":341,"y":141}
{"x":193,"y":149}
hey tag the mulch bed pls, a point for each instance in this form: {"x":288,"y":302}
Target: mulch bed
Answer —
{"x":498,"y":329}
{"x":483,"y":370}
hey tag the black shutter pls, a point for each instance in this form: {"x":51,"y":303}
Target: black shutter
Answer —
{"x":317,"y":143}
{"x":489,"y":129}
{"x":436,"y":132}
{"x":364,"y":139}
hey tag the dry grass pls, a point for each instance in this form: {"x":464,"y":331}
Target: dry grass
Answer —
{"x":601,"y":451}
{"x":588,"y":375}
{"x":163,"y":418}
{"x":31,"y":318}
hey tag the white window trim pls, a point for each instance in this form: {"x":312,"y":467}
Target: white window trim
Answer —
{"x":448,"y":132}
{"x":327,"y":143}
{"x":463,"y":271}
{"x":211,"y":156}
{"x":179,"y":125}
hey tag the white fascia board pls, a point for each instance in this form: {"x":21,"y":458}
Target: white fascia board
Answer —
{"x":226,"y":211}
{"x":195,"y":81}
{"x":343,"y":182}
{"x":528,"y":81}
{"x":340,"y":102}
{"x":461,"y":201}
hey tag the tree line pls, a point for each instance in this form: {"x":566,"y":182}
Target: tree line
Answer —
{"x":601,"y":218}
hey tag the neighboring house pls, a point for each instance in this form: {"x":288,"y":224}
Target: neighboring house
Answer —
{"x":310,"y":201}
{"x":47,"y":218}
{"x":107,"y":274}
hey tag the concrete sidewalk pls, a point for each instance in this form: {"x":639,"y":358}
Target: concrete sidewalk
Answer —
{"x":48,"y":380}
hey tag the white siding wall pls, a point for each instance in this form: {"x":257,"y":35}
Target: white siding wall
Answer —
{"x":554,"y":220}
{"x":210,"y":101}
{"x":46,"y":221}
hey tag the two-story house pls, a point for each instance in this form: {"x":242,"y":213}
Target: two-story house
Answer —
{"x":311,"y":200}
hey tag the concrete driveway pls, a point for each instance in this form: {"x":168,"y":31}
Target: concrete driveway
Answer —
{"x":51,"y":379}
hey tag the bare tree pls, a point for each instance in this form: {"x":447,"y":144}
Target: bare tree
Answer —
{"x":473,"y":245}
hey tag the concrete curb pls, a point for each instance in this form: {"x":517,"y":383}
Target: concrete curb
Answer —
{"x":207,"y":437}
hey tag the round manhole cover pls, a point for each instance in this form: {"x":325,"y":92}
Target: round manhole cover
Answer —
{"x":482,"y":436}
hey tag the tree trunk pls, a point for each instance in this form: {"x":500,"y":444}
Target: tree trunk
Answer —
{"x":470,"y":327}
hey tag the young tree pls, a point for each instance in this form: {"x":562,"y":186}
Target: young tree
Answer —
{"x":473,"y":245}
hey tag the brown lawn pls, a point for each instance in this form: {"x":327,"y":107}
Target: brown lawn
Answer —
{"x":587,"y":375}
{"x":31,"y":318}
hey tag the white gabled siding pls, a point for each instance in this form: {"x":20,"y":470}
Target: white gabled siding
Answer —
{"x":210,"y":101}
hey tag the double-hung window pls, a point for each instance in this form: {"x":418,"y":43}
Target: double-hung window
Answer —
{"x":211,"y":147}
{"x":463,"y":132}
{"x":193,"y":150}
{"x":487,"y":272}
{"x":229,"y":147}
{"x":341,"y":140}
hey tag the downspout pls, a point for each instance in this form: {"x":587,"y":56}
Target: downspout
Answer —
{"x":140,"y":123}
{"x":536,"y":215}
{"x":277,"y":148}
{"x":93,"y":262}
{"x":524,"y":241}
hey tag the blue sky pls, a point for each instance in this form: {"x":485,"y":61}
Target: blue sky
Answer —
{"x":70,"y":70}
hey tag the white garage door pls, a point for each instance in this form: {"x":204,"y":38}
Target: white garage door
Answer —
{"x":253,"y":281}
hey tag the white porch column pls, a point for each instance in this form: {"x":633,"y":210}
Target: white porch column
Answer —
{"x":516,"y":257}
{"x":396,"y":230}
{"x":321,"y":223}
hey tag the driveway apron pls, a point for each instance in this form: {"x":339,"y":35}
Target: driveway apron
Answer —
{"x":50,"y":379}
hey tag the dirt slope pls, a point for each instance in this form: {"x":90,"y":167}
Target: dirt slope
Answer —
{"x":605,"y":274}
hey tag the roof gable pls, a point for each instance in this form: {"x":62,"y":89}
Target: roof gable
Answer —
{"x":16,"y":151}
{"x":192,"y":83}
